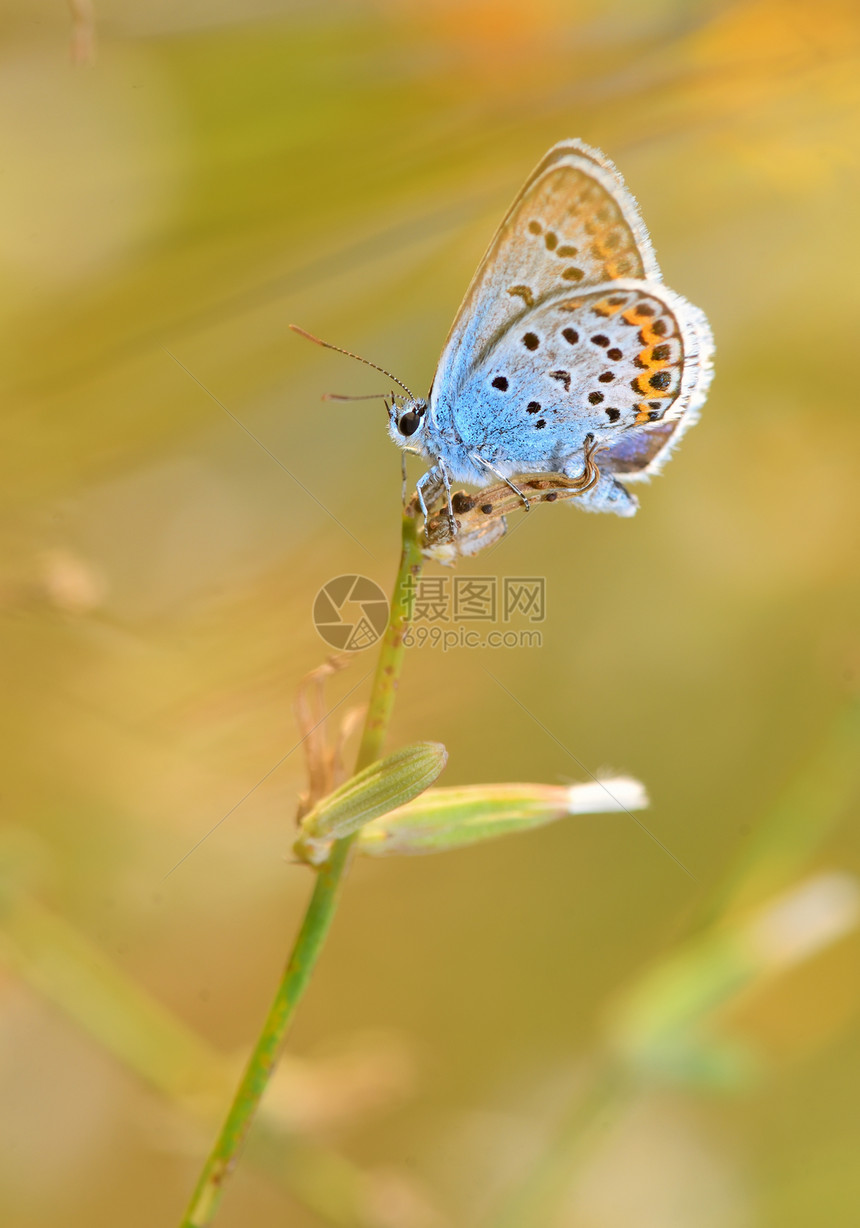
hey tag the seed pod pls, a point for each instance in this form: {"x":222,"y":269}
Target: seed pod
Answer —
{"x":383,"y":786}
{"x":452,"y":818}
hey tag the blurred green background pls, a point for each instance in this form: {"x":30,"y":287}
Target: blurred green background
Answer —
{"x":185,"y":179}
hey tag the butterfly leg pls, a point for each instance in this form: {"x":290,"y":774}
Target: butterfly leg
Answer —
{"x":446,"y":481}
{"x":607,"y":495}
{"x":431,"y":481}
{"x":434,"y":480}
{"x":479,"y":460}
{"x":420,"y":494}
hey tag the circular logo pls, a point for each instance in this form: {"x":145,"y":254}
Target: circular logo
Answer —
{"x":350,"y":613}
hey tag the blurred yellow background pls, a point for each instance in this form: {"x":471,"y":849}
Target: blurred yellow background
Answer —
{"x":179,"y":182}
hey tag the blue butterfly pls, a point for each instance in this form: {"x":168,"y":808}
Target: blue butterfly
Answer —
{"x":567,"y":341}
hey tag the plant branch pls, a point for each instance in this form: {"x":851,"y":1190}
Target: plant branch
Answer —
{"x":320,"y":910}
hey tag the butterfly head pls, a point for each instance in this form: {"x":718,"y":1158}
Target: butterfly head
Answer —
{"x":405,"y":421}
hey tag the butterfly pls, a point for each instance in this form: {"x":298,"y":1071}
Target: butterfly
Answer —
{"x":566,"y":342}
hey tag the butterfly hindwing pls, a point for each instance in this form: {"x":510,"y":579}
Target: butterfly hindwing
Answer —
{"x":626,"y":362}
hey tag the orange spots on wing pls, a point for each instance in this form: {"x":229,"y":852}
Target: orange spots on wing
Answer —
{"x":524,"y":293}
{"x":648,"y":334}
{"x":614,"y":246}
{"x":607,"y":308}
{"x":654,"y":360}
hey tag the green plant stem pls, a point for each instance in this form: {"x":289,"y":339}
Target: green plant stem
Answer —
{"x":320,"y":911}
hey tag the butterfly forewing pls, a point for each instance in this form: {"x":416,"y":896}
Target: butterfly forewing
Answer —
{"x":574,"y":224}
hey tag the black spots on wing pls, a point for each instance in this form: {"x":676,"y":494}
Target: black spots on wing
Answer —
{"x":595,"y":398}
{"x":654,"y":415}
{"x":531,"y":341}
{"x":613,"y":414}
{"x":564,"y":250}
{"x":570,"y":335}
{"x":655,"y":405}
{"x":533,"y":407}
{"x":606,"y":378}
{"x":487,"y":508}
{"x":614,"y":354}
{"x":661,"y":353}
{"x":501,"y":383}
{"x":535,"y":228}
{"x":645,"y":309}
{"x":540,"y":424}
{"x":599,"y":339}
{"x":660,"y":327}
{"x":563,"y":377}
{"x":550,"y":496}
{"x":660,"y":380}
{"x":573,"y":274}
{"x":461,"y":502}
{"x":617,"y":300}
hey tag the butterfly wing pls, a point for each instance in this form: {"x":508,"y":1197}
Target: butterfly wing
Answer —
{"x":626,"y":362}
{"x":567,"y":331}
{"x":573,"y":224}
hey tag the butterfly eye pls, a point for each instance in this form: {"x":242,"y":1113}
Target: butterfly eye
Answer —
{"x":409,"y":423}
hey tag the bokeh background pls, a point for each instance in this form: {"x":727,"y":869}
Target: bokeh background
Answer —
{"x":179,"y":182}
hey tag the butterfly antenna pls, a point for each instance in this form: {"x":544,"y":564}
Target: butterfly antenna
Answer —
{"x":339,"y":396}
{"x":328,"y":346}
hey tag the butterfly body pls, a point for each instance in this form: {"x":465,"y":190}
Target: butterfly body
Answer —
{"x":566,"y":337}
